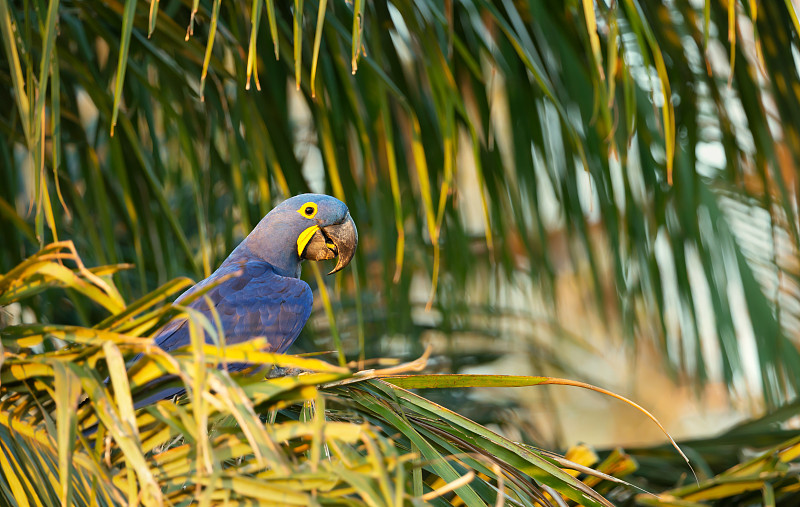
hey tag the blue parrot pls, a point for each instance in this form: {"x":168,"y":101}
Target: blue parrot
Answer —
{"x":264,"y":295}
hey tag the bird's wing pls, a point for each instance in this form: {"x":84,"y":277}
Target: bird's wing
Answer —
{"x":256,"y":302}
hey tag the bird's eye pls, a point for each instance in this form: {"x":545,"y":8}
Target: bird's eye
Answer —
{"x":308,"y":210}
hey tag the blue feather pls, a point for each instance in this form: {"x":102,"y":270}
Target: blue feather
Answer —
{"x":257,"y":302}
{"x":262,"y":295}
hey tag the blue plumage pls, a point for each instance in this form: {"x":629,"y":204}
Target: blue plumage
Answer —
{"x":264,"y":296}
{"x":255,"y":302}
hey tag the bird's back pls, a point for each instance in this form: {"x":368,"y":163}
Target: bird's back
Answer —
{"x":254,"y":301}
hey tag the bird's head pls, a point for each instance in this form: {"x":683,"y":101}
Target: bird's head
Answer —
{"x":307,"y":226}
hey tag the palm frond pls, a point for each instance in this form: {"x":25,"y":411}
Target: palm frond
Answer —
{"x":330,"y":437}
{"x":623,"y":128}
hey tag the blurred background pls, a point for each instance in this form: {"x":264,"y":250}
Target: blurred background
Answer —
{"x":604,"y":191}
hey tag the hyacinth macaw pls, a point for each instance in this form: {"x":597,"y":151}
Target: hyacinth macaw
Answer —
{"x":264,"y":295}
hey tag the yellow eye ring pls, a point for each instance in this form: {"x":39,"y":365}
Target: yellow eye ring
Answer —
{"x":308,"y":210}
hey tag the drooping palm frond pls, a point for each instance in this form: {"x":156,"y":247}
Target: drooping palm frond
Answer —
{"x":649,"y":146}
{"x":753,"y":462}
{"x":325,"y":436}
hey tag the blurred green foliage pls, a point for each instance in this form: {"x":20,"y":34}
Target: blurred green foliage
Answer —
{"x":475,"y":141}
{"x":485,"y":148}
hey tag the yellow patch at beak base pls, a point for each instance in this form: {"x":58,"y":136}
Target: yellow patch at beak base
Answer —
{"x":304,"y":238}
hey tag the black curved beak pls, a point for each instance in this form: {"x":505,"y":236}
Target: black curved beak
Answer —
{"x":334,"y":240}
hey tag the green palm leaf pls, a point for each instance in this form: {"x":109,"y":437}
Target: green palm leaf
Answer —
{"x":487,"y":149}
{"x":331,"y":437}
